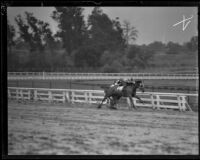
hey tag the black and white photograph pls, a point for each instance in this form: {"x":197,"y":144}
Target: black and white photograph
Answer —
{"x":102,"y":80}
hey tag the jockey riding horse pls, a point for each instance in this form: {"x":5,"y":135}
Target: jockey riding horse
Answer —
{"x":123,"y":88}
{"x":121,"y":82}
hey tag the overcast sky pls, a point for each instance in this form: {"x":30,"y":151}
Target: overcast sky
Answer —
{"x":152,"y":23}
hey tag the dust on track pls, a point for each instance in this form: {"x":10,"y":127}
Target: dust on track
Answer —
{"x":81,"y":129}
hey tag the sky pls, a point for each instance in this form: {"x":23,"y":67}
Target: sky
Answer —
{"x":152,"y":23}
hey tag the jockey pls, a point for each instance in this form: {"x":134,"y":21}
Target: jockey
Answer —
{"x":122,"y":82}
{"x":129,"y":80}
{"x":119,"y":82}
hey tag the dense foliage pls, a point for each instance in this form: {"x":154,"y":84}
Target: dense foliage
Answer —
{"x":100,"y":44}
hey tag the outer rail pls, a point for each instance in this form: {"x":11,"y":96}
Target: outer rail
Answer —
{"x":152,"y":99}
{"x":74,"y":76}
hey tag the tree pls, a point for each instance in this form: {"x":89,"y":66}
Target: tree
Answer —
{"x":107,"y":58}
{"x":104,"y":33}
{"x":156,"y":46}
{"x":20,"y":44}
{"x":10,"y":35}
{"x":12,"y":59}
{"x":130,"y":32}
{"x":38,"y":35}
{"x":138,"y":56}
{"x":87,"y":56}
{"x":193,"y":44}
{"x":24,"y":31}
{"x":114,"y":67}
{"x":173,"y":48}
{"x":72,"y":28}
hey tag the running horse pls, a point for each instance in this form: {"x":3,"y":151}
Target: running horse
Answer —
{"x":129,"y":90}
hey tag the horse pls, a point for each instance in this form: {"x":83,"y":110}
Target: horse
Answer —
{"x":129,"y":90}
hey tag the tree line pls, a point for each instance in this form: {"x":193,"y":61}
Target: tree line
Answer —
{"x":101,"y":44}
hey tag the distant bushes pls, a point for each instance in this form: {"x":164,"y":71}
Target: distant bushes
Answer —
{"x":115,"y":66}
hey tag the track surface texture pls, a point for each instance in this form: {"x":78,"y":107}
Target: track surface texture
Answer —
{"x":77,"y":129}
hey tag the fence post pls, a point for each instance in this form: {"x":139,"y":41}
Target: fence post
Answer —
{"x":89,"y":97}
{"x":152,"y":101}
{"x":29,"y":94}
{"x":72,"y":96}
{"x":179,"y":102}
{"x":183,"y":102}
{"x":186,"y":103}
{"x":158,"y":102}
{"x":35,"y":95}
{"x":63,"y":97}
{"x":67,"y":96}
{"x":50,"y":96}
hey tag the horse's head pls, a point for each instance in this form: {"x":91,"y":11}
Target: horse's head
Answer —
{"x":139,"y":84}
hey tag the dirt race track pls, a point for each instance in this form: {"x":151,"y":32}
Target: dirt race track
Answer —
{"x":73,"y":129}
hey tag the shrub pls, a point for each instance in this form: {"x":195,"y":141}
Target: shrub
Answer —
{"x":115,"y":66}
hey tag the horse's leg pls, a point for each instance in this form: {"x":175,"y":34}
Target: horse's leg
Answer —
{"x":132,"y":103}
{"x":109,"y":101}
{"x":102,"y":102}
{"x":113,"y":102}
{"x":139,"y":99}
{"x":117,"y":100}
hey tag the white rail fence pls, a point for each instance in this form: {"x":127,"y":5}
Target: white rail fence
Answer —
{"x":64,"y":75}
{"x":153,"y":100}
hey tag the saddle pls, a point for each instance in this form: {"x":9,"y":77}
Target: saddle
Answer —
{"x":120,"y":88}
{"x":117,"y":88}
